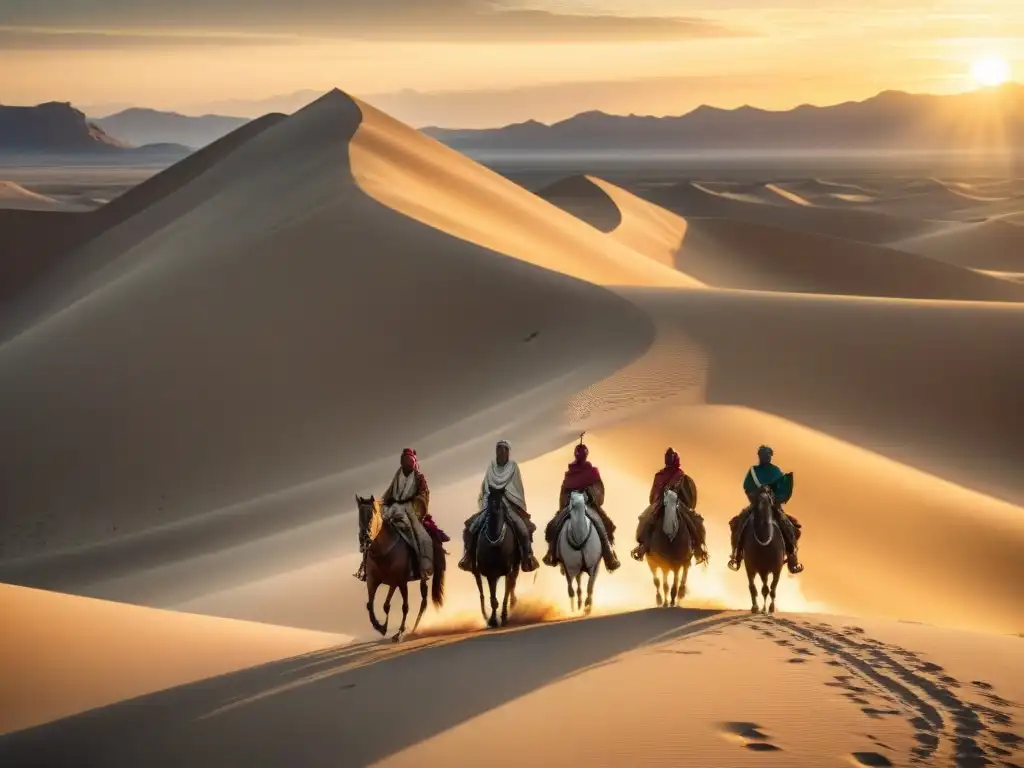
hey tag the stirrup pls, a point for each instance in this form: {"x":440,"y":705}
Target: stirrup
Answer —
{"x":734,"y":564}
{"x":637,"y":553}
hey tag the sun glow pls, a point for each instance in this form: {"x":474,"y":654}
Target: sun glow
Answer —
{"x":990,"y":71}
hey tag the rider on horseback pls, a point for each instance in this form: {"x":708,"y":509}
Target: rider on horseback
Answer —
{"x":671,"y":477}
{"x":406,"y":504}
{"x":583,"y":476}
{"x":502,"y":474}
{"x":781,"y":484}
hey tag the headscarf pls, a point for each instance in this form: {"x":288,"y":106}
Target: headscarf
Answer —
{"x":504,"y":444}
{"x":411,"y":452}
{"x":665,"y":476}
{"x":765,"y":450}
{"x":581,"y":473}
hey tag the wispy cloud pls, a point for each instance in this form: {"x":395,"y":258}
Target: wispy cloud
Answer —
{"x":113,"y":23}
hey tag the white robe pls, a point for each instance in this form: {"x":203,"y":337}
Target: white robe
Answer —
{"x":507,"y":477}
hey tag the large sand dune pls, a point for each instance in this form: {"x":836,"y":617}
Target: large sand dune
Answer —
{"x":195,"y":393}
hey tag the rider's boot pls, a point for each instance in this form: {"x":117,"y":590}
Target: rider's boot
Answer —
{"x":638,"y":552}
{"x":466,"y":563}
{"x":611,"y":562}
{"x":529,"y":559}
{"x":734,"y":560}
{"x":551,"y":557}
{"x":792,"y":561}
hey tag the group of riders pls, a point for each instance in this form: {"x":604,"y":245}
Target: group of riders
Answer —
{"x":406,"y":503}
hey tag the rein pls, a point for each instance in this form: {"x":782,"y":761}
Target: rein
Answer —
{"x":771,"y":528}
{"x":501,"y":531}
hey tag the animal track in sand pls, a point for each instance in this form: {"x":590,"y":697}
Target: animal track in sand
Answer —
{"x":750,"y":735}
{"x":948,"y":727}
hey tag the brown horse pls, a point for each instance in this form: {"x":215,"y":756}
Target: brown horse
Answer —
{"x":497,"y":556}
{"x":764,"y":551}
{"x":670,"y":552}
{"x":390,"y":561}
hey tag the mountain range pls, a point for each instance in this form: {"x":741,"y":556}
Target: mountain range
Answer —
{"x":57,"y":128}
{"x":139,"y":126}
{"x":991,"y":119}
{"x":892,"y":120}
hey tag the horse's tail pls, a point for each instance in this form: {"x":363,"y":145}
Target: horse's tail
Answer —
{"x":437,"y":584}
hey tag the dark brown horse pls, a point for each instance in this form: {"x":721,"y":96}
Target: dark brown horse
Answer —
{"x":764,"y":551}
{"x":670,"y":552}
{"x":497,"y":557}
{"x":390,"y":561}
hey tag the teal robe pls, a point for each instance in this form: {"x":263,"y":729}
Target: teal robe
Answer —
{"x":781,"y":483}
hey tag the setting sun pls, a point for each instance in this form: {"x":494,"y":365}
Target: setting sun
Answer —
{"x":991,"y":70}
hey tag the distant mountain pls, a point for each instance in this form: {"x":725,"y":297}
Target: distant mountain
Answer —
{"x":57,"y":128}
{"x":149,"y":126}
{"x":993,"y":118}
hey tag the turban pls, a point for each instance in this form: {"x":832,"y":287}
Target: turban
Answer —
{"x":581,"y":453}
{"x":764,"y":450}
{"x":671,"y":459}
{"x":411,"y":453}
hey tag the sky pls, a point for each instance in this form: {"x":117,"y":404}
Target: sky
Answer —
{"x":475,"y":63}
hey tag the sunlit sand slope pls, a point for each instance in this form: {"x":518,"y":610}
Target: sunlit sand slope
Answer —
{"x":60,"y":655}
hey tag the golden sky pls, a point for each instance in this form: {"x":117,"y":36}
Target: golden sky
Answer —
{"x":485,"y":62}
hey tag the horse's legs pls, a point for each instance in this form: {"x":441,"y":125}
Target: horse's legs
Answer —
{"x":682,"y":587}
{"x":480,"y":589}
{"x":510,"y":594}
{"x":591,"y":578}
{"x":657,"y":583}
{"x":423,"y":604}
{"x":775,"y":583}
{"x":675,"y":587}
{"x":513,"y":600}
{"x":764,"y":593}
{"x":579,"y":590}
{"x":492,"y":583}
{"x":371,"y":592}
{"x":568,"y":582}
{"x":404,"y":590}
{"x":753,"y":592}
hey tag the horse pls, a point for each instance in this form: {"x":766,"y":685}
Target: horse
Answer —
{"x":497,"y":556}
{"x":670,"y":551}
{"x":764,"y":550}
{"x":579,"y":550}
{"x":389,"y":561}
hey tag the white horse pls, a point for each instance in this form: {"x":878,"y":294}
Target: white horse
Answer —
{"x":579,"y":549}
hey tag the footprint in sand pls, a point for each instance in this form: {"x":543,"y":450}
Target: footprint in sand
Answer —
{"x":870,"y":758}
{"x":751,"y":735}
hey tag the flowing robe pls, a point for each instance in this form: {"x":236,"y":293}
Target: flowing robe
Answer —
{"x":582,"y":477}
{"x":669,"y":478}
{"x":406,"y":505}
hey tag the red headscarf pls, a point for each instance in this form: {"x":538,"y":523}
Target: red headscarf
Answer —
{"x":581,"y":473}
{"x":666,"y":476}
{"x":412,"y":454}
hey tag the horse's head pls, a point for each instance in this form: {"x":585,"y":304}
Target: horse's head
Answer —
{"x":671,"y":500}
{"x":578,"y":502}
{"x":495,"y":496}
{"x":368,"y":509}
{"x":765,"y":499}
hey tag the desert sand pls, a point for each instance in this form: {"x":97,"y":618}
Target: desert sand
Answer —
{"x":197,"y":388}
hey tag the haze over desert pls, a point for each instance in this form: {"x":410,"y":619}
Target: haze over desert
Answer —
{"x":205,"y":360}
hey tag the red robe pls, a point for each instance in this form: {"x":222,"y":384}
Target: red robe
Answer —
{"x":420,"y":503}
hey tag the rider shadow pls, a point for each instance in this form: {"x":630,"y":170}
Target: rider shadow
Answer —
{"x":348,"y":706}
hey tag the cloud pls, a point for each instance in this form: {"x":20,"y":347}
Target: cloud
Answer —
{"x":130,"y":23}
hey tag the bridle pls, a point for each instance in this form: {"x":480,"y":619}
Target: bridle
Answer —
{"x":762,"y":496}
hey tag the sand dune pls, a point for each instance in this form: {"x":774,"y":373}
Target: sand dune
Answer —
{"x":61,"y":655}
{"x":731,"y":253}
{"x":257,"y":331}
{"x":990,"y":245}
{"x":17,"y":197}
{"x":626,"y":218}
{"x":848,"y":223}
{"x":883,"y":694}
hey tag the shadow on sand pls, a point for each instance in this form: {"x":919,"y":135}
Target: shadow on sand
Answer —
{"x":348,"y":706}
